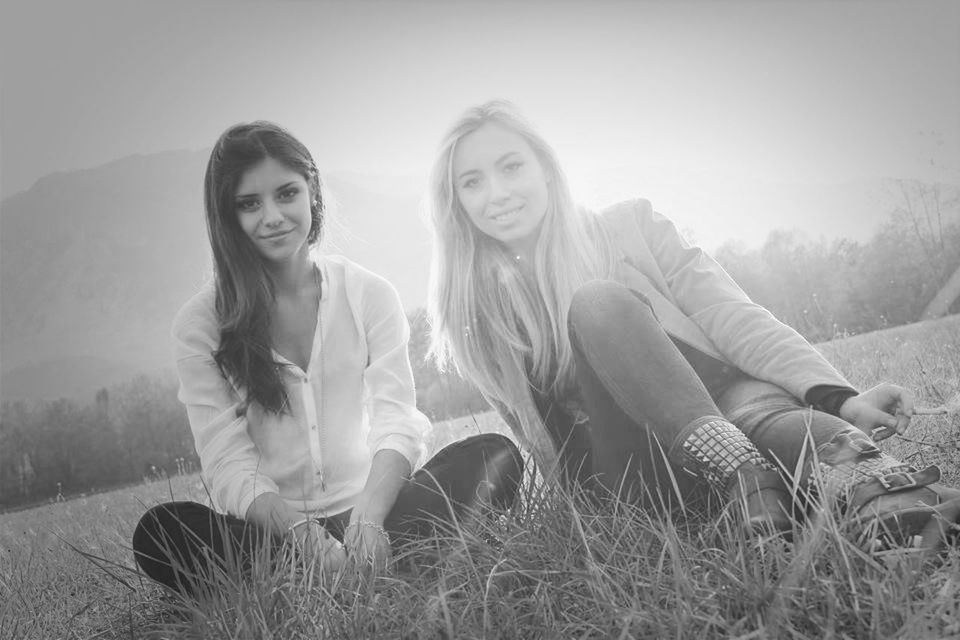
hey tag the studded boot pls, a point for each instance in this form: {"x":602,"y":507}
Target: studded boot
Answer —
{"x":717,"y":451}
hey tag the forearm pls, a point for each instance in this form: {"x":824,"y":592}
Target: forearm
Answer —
{"x":388,"y":472}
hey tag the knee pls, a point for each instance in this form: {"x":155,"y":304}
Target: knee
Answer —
{"x":597,"y":301}
{"x":500,"y":455}
{"x":503,"y":468}
{"x":511,"y":456}
{"x":149,"y":528}
{"x":158,"y":524}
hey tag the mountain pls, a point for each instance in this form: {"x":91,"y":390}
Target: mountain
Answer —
{"x":95,"y":263}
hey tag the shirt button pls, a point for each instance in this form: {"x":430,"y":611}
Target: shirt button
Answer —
{"x":314,"y":427}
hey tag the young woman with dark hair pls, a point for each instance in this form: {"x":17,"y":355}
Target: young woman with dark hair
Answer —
{"x":295,"y":375}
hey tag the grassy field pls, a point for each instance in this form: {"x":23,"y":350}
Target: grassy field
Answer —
{"x":558,"y":571}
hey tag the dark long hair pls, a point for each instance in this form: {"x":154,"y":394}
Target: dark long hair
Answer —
{"x":245,"y":289}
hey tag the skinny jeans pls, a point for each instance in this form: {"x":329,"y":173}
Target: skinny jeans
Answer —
{"x":182,"y":544}
{"x":639,"y":389}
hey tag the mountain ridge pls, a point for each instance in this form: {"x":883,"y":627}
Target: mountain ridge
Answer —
{"x":95,"y":263}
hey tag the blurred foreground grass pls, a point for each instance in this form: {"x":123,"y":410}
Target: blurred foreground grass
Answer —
{"x":557,"y":570}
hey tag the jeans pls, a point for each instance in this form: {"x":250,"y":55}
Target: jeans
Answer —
{"x":638,"y":389}
{"x":179,"y":544}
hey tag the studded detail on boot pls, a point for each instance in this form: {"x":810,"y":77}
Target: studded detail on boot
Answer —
{"x":719,"y":452}
{"x":715,"y":450}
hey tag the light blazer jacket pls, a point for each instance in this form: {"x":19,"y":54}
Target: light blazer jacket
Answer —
{"x":696,"y":301}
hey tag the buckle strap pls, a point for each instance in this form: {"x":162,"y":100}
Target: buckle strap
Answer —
{"x":892,"y":483}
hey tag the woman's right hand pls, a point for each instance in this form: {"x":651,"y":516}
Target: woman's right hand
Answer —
{"x":318,"y":547}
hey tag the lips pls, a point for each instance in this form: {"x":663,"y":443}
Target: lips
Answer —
{"x":506,"y":215}
{"x":276,"y":236}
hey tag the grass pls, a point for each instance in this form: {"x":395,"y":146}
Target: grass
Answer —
{"x":553,"y":569}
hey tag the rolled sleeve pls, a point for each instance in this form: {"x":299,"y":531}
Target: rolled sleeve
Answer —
{"x":228,"y":457}
{"x":395,"y":421}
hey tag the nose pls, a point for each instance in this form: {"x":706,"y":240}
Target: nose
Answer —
{"x":498,"y":189}
{"x":271,"y":213}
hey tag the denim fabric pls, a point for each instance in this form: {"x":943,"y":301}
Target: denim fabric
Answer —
{"x":638,"y":388}
{"x":788,"y":432}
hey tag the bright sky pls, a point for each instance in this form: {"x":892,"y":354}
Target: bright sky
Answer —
{"x":784,"y":91}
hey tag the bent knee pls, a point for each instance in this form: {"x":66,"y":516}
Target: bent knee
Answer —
{"x":155,"y":524}
{"x":500,"y":453}
{"x":597,"y":302}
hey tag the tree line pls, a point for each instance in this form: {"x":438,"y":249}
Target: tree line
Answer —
{"x":823,"y":288}
{"x":832,"y":288}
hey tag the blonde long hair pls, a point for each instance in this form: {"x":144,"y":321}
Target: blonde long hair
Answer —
{"x":487,"y":320}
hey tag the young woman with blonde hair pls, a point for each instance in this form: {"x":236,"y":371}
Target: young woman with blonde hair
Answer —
{"x":625,"y":358}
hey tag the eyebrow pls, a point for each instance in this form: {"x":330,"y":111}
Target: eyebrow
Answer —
{"x":499,"y":160}
{"x":242,"y":196}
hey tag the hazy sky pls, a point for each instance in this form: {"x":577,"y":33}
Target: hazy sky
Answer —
{"x":806,"y":91}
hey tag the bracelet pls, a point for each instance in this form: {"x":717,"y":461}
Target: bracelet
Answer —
{"x":373,"y":525}
{"x":304,"y":521}
{"x":300,"y":523}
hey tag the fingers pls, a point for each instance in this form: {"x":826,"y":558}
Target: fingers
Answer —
{"x":334,"y":558}
{"x":907,"y":408}
{"x":368,"y":545}
{"x":902,"y":408}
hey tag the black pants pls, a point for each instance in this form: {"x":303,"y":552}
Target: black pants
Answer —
{"x":178,"y":544}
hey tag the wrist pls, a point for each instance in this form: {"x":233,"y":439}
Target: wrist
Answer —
{"x":845,"y":410}
{"x":361,"y":524}
{"x":302,"y":530}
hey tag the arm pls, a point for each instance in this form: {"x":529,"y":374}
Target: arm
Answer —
{"x":365,"y":536}
{"x":743,"y":331}
{"x":228,"y":457}
{"x":396,"y":426}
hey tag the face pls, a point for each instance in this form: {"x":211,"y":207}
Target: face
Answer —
{"x":502,"y":186}
{"x":272,"y":204}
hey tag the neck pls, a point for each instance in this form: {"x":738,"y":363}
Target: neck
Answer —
{"x":524,"y":263}
{"x":293,"y":276}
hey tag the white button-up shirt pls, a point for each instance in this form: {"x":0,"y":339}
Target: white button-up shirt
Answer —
{"x":355,"y":398}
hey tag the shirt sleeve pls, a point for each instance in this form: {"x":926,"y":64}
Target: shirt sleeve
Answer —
{"x":744,"y":332}
{"x":395,"y":421}
{"x":828,"y":398}
{"x":228,"y":457}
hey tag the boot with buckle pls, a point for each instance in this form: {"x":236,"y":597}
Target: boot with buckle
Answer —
{"x":905,"y":508}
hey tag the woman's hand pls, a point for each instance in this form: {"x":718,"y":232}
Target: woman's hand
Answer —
{"x":880,"y":412}
{"x":317,"y":546}
{"x":368,"y":544}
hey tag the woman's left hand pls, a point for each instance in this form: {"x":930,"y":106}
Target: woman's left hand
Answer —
{"x":367,"y":544}
{"x":880,"y":412}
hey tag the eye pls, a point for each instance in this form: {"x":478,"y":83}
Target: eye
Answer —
{"x":247,"y":205}
{"x":511,"y":167}
{"x":288,"y":194}
{"x":470,"y":183}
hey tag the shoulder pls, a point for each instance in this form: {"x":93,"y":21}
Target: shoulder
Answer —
{"x":627,"y":213}
{"x":199,"y":313}
{"x":360,"y":283}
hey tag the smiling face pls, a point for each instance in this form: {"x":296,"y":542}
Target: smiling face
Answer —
{"x":272,"y":204}
{"x":502,"y":186}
